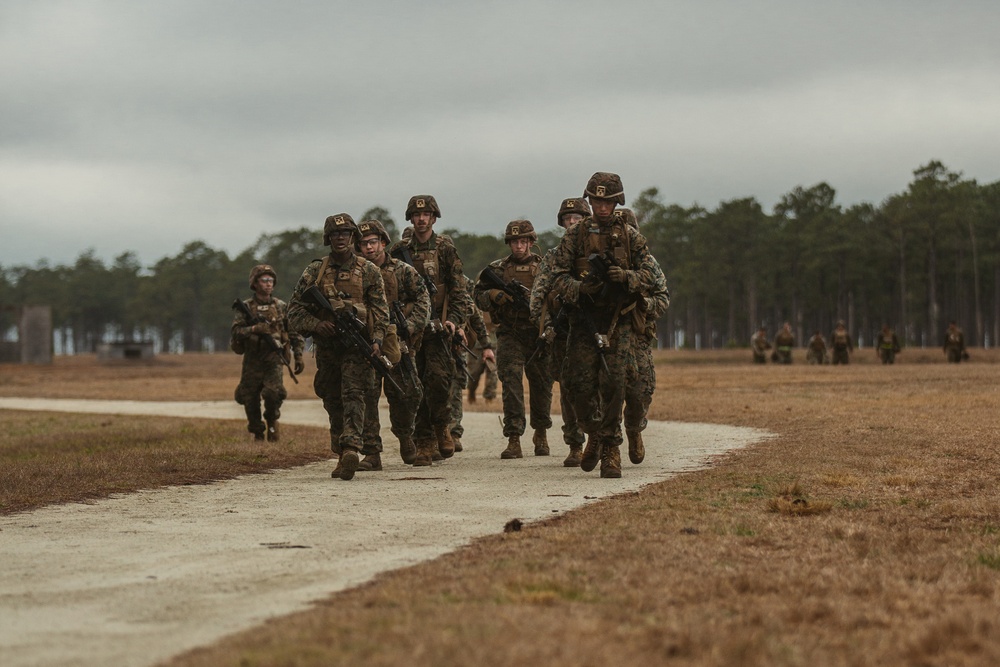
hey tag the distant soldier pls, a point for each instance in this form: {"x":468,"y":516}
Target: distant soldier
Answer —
{"x":519,"y":351}
{"x":759,"y":345}
{"x":352,"y":286}
{"x":816,"y":350}
{"x":262,"y":374}
{"x":480,"y":369}
{"x":548,"y":311}
{"x":784,"y":341}
{"x":406,"y":294}
{"x":474,"y":335}
{"x":887,"y":345}
{"x":841,"y":344}
{"x":954,"y":344}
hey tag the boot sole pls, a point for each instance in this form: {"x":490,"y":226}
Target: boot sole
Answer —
{"x":348,"y":465}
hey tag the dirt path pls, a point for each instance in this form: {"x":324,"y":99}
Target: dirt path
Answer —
{"x":136,"y":579}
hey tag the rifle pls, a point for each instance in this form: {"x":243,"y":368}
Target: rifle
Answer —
{"x":275,"y":346}
{"x":518,"y":292}
{"x":600,"y":340}
{"x":355,"y":331}
{"x":402,"y":252}
{"x":542,"y":342}
{"x":397,"y":317}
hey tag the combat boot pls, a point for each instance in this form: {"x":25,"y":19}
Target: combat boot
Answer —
{"x":370,"y":462}
{"x":540,"y":442}
{"x":458,"y":442}
{"x":591,"y":454}
{"x":424,"y":452}
{"x":472,"y":395}
{"x":575,"y":454}
{"x":445,"y":444}
{"x":349,"y":462}
{"x":636,"y":450}
{"x":436,"y":453}
{"x":272,"y":431}
{"x":513,"y":450}
{"x":407,"y":450}
{"x":336,"y":471}
{"x":611,"y":462}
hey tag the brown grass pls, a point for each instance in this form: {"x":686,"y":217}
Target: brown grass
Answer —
{"x":902,"y":569}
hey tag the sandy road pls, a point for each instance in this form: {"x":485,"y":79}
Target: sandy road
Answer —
{"x":135,"y":579}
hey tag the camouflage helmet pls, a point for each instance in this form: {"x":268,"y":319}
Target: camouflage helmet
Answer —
{"x":337,"y":222}
{"x":261,"y":270}
{"x":605,"y":185}
{"x":627,"y":216}
{"x":407,"y":233}
{"x":519,"y":229}
{"x":420,"y":203}
{"x":577,"y":205}
{"x":369,"y":227}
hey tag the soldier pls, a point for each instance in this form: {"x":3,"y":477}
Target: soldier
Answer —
{"x":263,"y":370}
{"x":435,"y":258}
{"x":352,"y":285}
{"x":406,"y":294}
{"x":519,"y":352}
{"x":784,"y":341}
{"x":479,"y":368}
{"x":546,"y":309}
{"x":471,"y":334}
{"x":954,"y":344}
{"x":602,"y":269}
{"x":887,"y":345}
{"x":816,"y":350}
{"x":642,"y":382}
{"x":841,"y":343}
{"x":759,"y":345}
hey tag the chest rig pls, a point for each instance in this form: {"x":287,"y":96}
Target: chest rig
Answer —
{"x":428,"y":263}
{"x":390,"y":280}
{"x":593,"y":238}
{"x":344,"y":283}
{"x":522,"y":273}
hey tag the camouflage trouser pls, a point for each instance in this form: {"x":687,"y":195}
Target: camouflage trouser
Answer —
{"x":954,"y":355}
{"x":598,"y":397}
{"x":436,"y":368}
{"x":783,"y":355}
{"x":458,"y":384}
{"x":572,"y":431}
{"x":478,"y":368}
{"x":759,"y":358}
{"x":640,"y":385}
{"x":343,"y":378}
{"x":261,"y":378}
{"x":513,"y":351}
{"x":841,"y":356}
{"x":888,"y":355}
{"x":814,"y":357}
{"x":402,"y":408}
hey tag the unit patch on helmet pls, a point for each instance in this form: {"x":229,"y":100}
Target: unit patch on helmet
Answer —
{"x":515,"y":230}
{"x":419,"y":203}
{"x":339,"y":220}
{"x":601,"y":190}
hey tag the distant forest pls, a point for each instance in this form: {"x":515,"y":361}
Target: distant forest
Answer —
{"x":916,"y":261}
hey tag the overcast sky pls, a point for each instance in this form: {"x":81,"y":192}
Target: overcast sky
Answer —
{"x":142,"y":126}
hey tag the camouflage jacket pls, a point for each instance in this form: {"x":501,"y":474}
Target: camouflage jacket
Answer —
{"x":508,"y":316}
{"x":476,"y":328}
{"x":451,"y":274}
{"x":760,"y":343}
{"x":303,"y":317}
{"x":274,"y":314}
{"x":411,"y":293}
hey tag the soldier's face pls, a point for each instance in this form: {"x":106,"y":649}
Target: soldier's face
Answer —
{"x":570,"y":219}
{"x":520,"y":248}
{"x":603,"y":209}
{"x":265,"y":285}
{"x":340,"y":240}
{"x":422,"y":222}
{"x":373,"y":248}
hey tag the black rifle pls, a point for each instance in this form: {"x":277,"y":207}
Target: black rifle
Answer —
{"x":542,"y":342}
{"x":275,"y":346}
{"x":397,"y":317}
{"x":518,"y":292}
{"x":402,"y":252}
{"x":600,"y":340}
{"x":354,"y":332}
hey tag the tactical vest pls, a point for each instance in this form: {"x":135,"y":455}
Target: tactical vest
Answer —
{"x":345,"y":283}
{"x":522,"y":273}
{"x":390,"y":280}
{"x":274,"y":316}
{"x":593,"y":238}
{"x":427,"y":263}
{"x":839,"y":340}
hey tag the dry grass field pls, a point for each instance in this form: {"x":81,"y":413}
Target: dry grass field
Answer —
{"x":867,"y":532}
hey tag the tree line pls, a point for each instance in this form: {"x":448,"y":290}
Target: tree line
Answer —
{"x":916,"y":261}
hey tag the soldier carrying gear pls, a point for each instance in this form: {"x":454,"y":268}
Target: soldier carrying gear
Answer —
{"x":262,"y":270}
{"x":575,"y":207}
{"x":419,"y":203}
{"x":338,"y":222}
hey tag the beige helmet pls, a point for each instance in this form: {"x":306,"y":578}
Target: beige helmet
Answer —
{"x":572,"y":205}
{"x":517,"y":229}
{"x":369,"y":227}
{"x":339,"y":221}
{"x":627,"y":216}
{"x":605,"y":185}
{"x":419,"y":203}
{"x":260,"y":270}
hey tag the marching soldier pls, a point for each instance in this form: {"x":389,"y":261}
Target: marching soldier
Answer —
{"x":816,"y":350}
{"x":474,"y":335}
{"x":954,"y":344}
{"x":784,"y":341}
{"x":759,"y":345}
{"x":841,"y":343}
{"x":887,"y":345}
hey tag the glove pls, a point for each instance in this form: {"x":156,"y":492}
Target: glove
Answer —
{"x":590,"y":287}
{"x":299,"y":364}
{"x":261,"y":328}
{"x":501,"y":298}
{"x":617,"y":274}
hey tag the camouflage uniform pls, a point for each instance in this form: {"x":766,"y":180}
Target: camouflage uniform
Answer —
{"x":403,"y":285}
{"x":784,"y":341}
{"x":343,"y":376}
{"x":475,"y":332}
{"x":437,"y":261}
{"x":954,"y":344}
{"x":759,"y":345}
{"x":546,"y":308}
{"x":479,"y":369}
{"x":841,"y":344}
{"x":602,"y":315}
{"x":887,"y":345}
{"x":262,"y":374}
{"x":816,"y":351}
{"x":519,"y":352}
